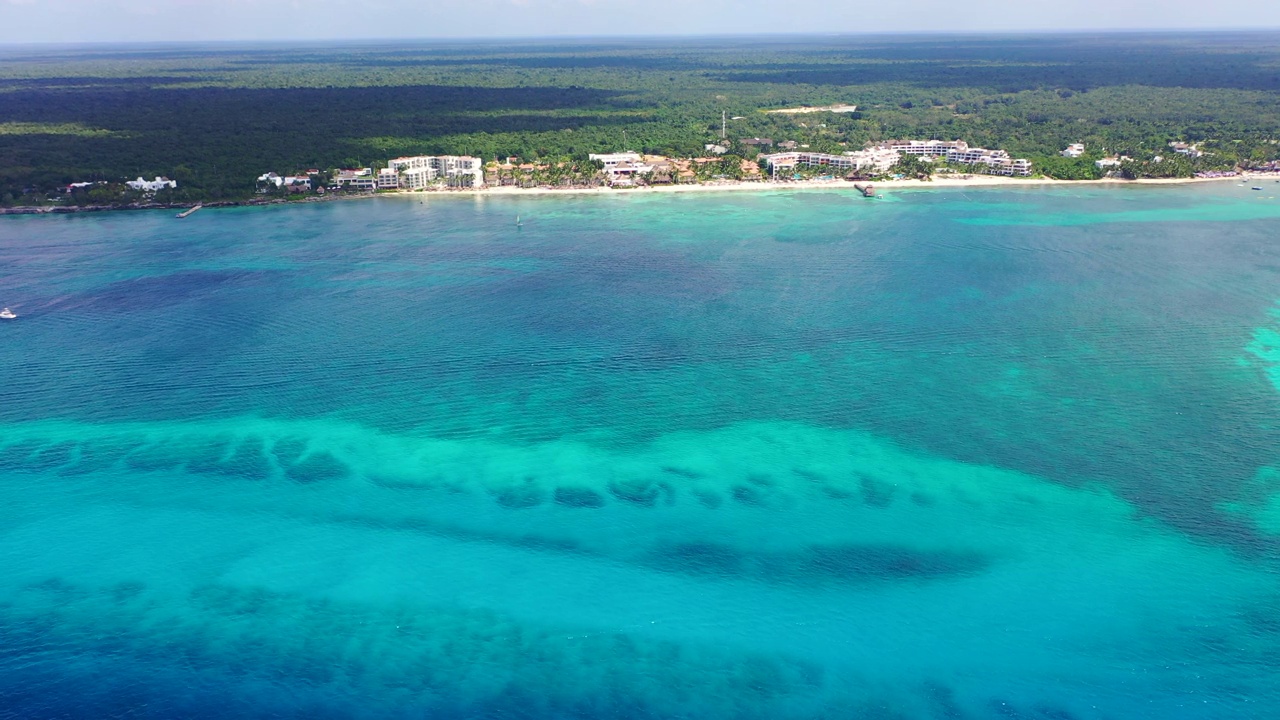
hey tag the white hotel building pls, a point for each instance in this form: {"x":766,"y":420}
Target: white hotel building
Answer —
{"x":420,"y":171}
{"x":997,"y":162}
{"x":884,"y":156}
{"x":877,"y":159}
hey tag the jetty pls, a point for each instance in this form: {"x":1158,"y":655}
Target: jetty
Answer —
{"x":866,"y":189}
{"x":188,"y":211}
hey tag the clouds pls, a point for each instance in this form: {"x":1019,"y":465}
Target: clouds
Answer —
{"x":152,"y":20}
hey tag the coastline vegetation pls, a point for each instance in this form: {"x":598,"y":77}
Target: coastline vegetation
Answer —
{"x":214,"y":118}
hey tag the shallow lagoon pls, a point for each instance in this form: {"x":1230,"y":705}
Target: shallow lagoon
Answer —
{"x":970,"y":454}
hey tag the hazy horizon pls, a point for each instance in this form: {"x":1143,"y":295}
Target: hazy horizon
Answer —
{"x":152,"y":21}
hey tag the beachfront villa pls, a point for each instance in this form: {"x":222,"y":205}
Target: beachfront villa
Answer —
{"x":150,"y":186}
{"x":1073,"y":150}
{"x":355,"y":179}
{"x":612,"y":159}
{"x":1186,"y":149}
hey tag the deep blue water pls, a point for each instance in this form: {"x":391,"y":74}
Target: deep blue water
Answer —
{"x":980,"y":454}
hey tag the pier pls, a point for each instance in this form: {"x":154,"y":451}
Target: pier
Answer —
{"x":187,"y":212}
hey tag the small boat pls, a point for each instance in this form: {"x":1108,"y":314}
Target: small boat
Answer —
{"x":7,"y":314}
{"x":518,"y":223}
{"x":1257,"y":188}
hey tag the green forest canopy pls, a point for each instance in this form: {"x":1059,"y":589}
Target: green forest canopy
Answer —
{"x":216,"y":117}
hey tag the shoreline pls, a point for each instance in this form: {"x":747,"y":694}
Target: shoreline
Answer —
{"x":985,"y":181}
{"x":977,"y":181}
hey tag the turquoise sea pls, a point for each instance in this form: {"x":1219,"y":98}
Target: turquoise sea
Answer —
{"x":949,"y":454}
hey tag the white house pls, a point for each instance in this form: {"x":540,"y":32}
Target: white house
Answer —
{"x":270,"y":178}
{"x":356,"y":179}
{"x":1073,"y":150}
{"x":151,"y":186}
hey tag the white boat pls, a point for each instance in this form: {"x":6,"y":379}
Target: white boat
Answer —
{"x":7,"y":314}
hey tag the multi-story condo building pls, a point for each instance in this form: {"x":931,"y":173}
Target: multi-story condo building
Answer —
{"x":884,"y":156}
{"x":995,"y":162}
{"x":930,"y":148}
{"x":878,"y":159}
{"x":420,"y":171}
{"x":388,"y":179}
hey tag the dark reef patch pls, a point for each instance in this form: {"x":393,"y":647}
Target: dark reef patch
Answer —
{"x":317,"y":467}
{"x":637,"y":492}
{"x":699,"y":558}
{"x":709,"y":499}
{"x":876,"y":493}
{"x":747,"y":495}
{"x":853,"y":562}
{"x":578,"y":497}
{"x":838,"y":493}
{"x":815,"y":564}
{"x":923,"y":499}
{"x":682,"y":472}
{"x":518,"y":497}
{"x":18,"y":455}
{"x":53,"y":456}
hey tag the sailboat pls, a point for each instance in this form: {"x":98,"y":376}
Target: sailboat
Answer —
{"x":518,"y":223}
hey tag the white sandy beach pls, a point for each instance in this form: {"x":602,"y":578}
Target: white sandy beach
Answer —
{"x":974,"y":181}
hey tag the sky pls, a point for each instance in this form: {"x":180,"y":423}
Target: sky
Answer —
{"x":37,"y":21}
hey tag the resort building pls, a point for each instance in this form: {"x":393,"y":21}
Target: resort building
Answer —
{"x":994,"y":162}
{"x":879,"y":160}
{"x":420,"y":171}
{"x":1186,"y":149}
{"x":611,"y":159}
{"x":151,"y":186}
{"x":927,"y":148}
{"x":417,"y":178}
{"x":388,"y":179}
{"x":1073,"y":150}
